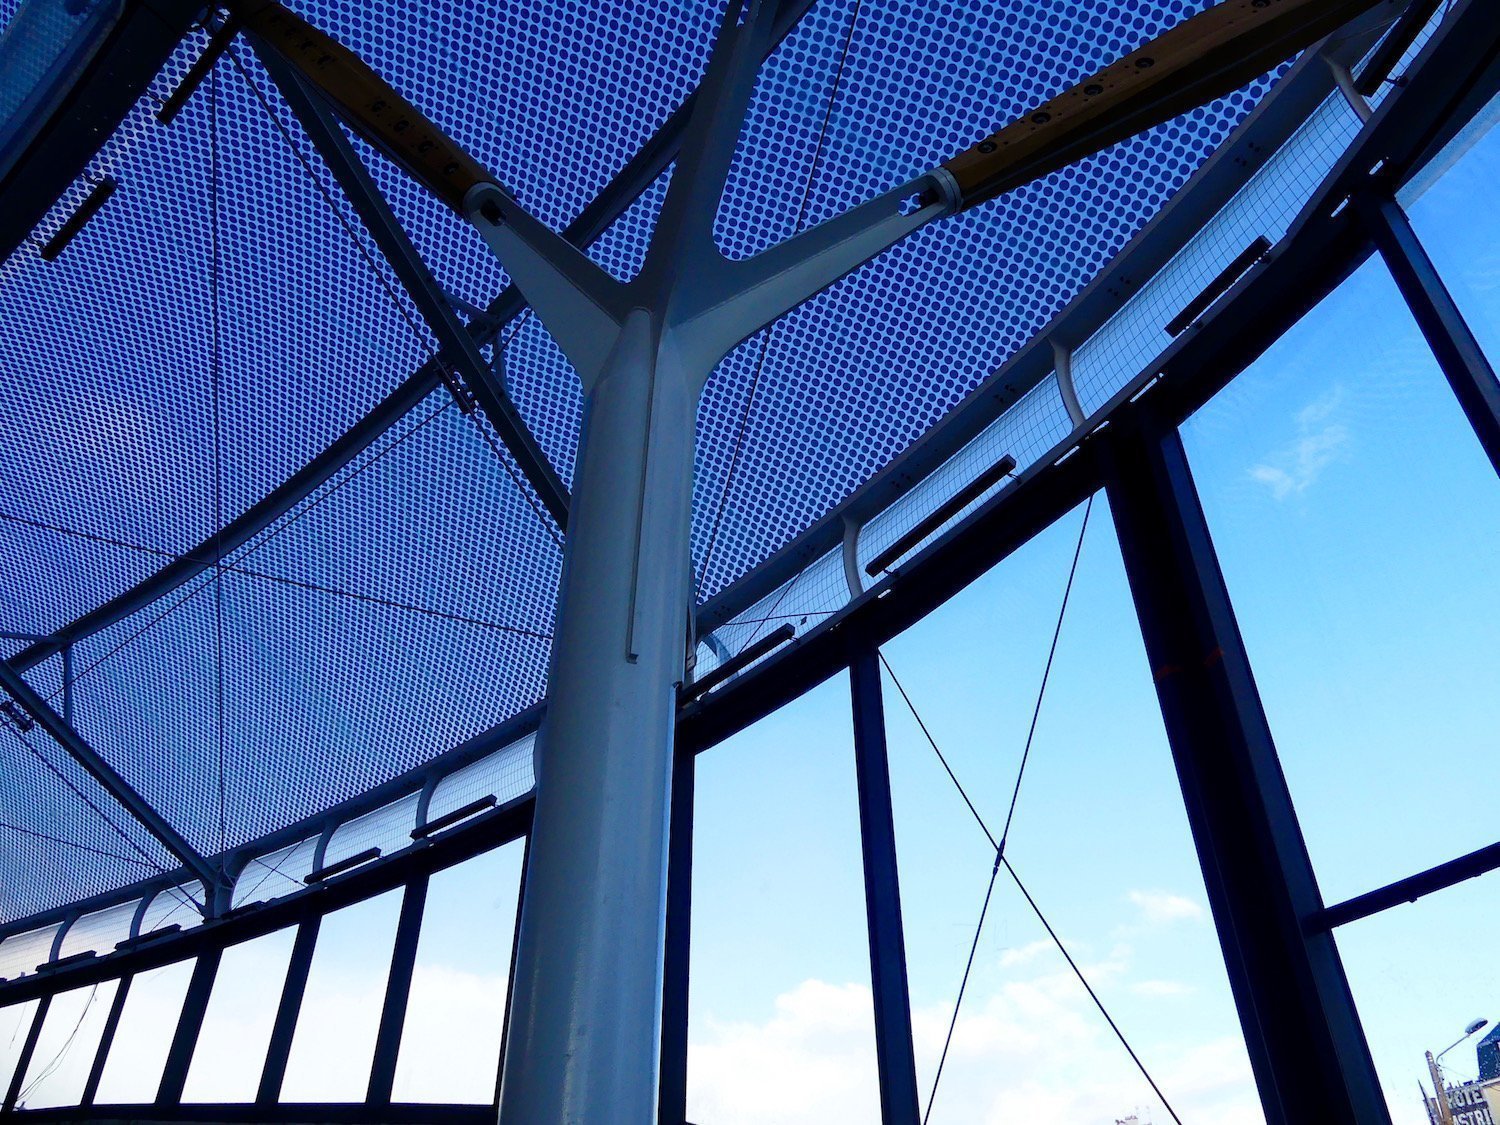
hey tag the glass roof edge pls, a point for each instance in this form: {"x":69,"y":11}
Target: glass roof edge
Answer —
{"x":449,"y":761}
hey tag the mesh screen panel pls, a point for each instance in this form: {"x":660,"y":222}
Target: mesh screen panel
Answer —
{"x":407,"y":605}
{"x":857,"y":374}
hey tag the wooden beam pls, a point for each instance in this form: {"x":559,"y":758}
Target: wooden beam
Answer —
{"x":1212,"y":54}
{"x":368,"y":104}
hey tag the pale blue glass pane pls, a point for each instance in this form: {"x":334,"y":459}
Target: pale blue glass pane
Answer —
{"x":15,"y":1025}
{"x":335,"y":1039}
{"x":231,"y":1050}
{"x":781,"y":1025}
{"x":132,"y":1073}
{"x":1100,"y":837}
{"x":1358,"y":524}
{"x":455,"y":1014}
{"x":65,"y":1050}
{"x":1421,"y":973}
{"x":1458,"y":220}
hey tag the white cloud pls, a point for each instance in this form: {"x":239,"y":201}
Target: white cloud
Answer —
{"x":1296,"y":466}
{"x":1160,"y":908}
{"x":1028,"y":1047}
{"x":1019,"y":955}
{"x":812,"y":1061}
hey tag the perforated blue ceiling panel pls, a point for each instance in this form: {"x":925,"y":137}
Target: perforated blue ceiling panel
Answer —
{"x":408,"y":604}
{"x":62,"y":837}
{"x":396,"y":613}
{"x":853,"y":377}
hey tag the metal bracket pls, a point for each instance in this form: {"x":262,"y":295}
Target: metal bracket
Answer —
{"x":1062,"y":366}
{"x":851,"y":557}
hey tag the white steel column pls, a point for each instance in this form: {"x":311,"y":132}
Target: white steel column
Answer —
{"x":586,"y":1008}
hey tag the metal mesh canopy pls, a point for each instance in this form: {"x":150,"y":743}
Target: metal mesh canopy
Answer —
{"x":225,"y":318}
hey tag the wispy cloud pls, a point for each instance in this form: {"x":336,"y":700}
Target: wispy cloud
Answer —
{"x":1158,"y":908}
{"x":1295,"y":467}
{"x":1019,"y":955}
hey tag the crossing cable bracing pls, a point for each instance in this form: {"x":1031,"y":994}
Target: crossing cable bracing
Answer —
{"x":324,"y":495}
{"x":280,"y":579}
{"x":6,"y":826}
{"x":146,"y":860}
{"x":1001,"y":860}
{"x":766,"y":336}
{"x":52,"y":1066}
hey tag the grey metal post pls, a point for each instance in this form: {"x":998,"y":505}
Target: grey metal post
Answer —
{"x":397,"y":994}
{"x":583,"y":1036}
{"x":1463,"y":362}
{"x":877,"y":833}
{"x":1301,"y":1027}
{"x":285,"y":1026}
{"x":189,"y":1025}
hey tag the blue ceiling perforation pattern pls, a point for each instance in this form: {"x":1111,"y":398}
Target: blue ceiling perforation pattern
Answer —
{"x":542,"y":382}
{"x":54,"y":848}
{"x":855,"y":376}
{"x":404,"y":608}
{"x":553,"y":98}
{"x":109,"y":366}
{"x":408,"y":603}
{"x":51,"y":575}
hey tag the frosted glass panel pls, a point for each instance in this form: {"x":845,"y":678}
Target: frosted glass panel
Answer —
{"x":132,"y":1072}
{"x":15,"y":1025}
{"x":65,"y":1050}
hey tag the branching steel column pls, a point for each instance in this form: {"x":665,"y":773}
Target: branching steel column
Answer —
{"x":1458,"y":353}
{"x":102,"y":772}
{"x":1299,"y":1020}
{"x":877,"y":832}
{"x":457,"y":345}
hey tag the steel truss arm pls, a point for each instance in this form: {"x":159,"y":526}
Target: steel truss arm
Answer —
{"x":638,"y":174}
{"x":458,"y":347}
{"x":102,"y":772}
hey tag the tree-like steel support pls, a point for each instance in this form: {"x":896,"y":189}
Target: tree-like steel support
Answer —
{"x":584,"y":1026}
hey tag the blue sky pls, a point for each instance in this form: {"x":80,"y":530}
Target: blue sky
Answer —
{"x":1358,"y":525}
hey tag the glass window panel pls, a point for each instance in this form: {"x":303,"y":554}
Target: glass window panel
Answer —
{"x":66,"y":1048}
{"x":1358,"y":524}
{"x":132,"y":1073}
{"x":334,"y":1043}
{"x":15,"y":1026}
{"x":455,"y":1015}
{"x":1100,"y":836}
{"x":781,"y":1025}
{"x":1421,"y":973}
{"x":1458,"y":220}
{"x":231,"y":1050}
